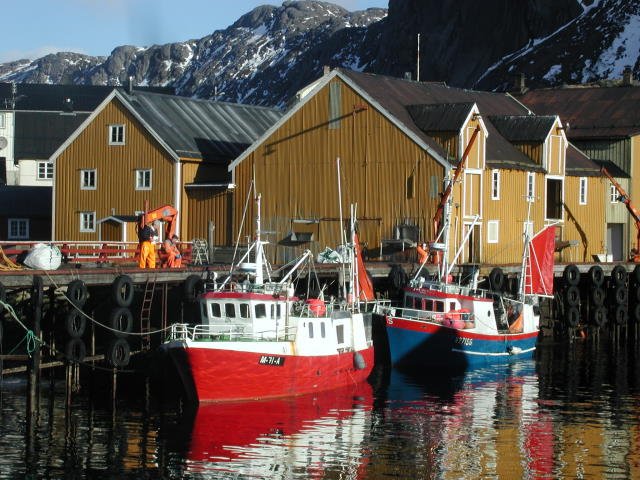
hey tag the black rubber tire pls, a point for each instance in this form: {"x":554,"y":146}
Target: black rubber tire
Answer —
{"x":599,"y":316}
{"x":571,"y":275}
{"x":77,"y":293}
{"x":121,"y":320}
{"x":597,"y":296}
{"x":398,"y":277}
{"x":3,"y":296}
{"x":620,"y":295}
{"x":619,"y":275}
{"x":192,"y":287}
{"x":75,"y":323}
{"x":634,"y":315}
{"x":37,"y":291}
{"x":118,"y":353}
{"x":634,"y":294}
{"x":122,"y":291}
{"x":572,"y":296}
{"x":596,"y":276}
{"x":75,"y":351}
{"x":572,"y":316}
{"x":496,"y":279}
{"x":620,"y":315}
{"x":634,"y":278}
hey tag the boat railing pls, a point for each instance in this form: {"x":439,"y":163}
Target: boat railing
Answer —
{"x":452,"y":288}
{"x":228,"y":332}
{"x":454,"y":318}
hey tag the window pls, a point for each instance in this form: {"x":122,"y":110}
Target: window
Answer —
{"x":434,"y":186}
{"x":143,"y":179}
{"x":531,"y":186}
{"x":87,"y":221}
{"x":323,"y":332}
{"x":116,"y":134}
{"x":340,"y":333}
{"x":261,"y":310}
{"x":495,"y":184}
{"x":244,"y":310}
{"x":18,"y":229}
{"x":87,"y":179}
{"x":215,"y":310}
{"x":310,"y":330}
{"x":45,"y":170}
{"x":492,"y":231}
{"x":613,"y":194}
{"x":2,"y":121}
{"x":583,"y":191}
{"x":230,"y":310}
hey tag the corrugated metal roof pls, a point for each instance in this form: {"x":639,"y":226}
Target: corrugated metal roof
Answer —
{"x":202,"y":128}
{"x":20,"y":201}
{"x":54,"y":98}
{"x":593,"y":112}
{"x":580,"y":165}
{"x":445,"y":117}
{"x":39,"y":134}
{"x":523,"y":128}
{"x":395,"y":95}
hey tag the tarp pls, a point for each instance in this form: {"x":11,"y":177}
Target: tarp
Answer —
{"x":539,"y":268}
{"x":43,"y":257}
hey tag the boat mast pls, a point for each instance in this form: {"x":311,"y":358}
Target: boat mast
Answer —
{"x":259,"y":253}
{"x":525,"y":253}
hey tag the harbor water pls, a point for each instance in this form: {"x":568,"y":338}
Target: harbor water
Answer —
{"x":573,"y":412}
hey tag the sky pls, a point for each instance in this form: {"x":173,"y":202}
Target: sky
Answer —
{"x":33,"y":28}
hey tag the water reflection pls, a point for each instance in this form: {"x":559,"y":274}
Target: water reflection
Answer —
{"x":571,"y":413}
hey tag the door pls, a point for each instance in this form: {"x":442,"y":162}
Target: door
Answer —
{"x":472,"y":246}
{"x":614,"y":240}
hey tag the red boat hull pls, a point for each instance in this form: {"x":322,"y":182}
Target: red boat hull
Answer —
{"x":227,"y":375}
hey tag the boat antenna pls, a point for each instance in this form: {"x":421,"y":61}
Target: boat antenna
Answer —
{"x":342,"y":232}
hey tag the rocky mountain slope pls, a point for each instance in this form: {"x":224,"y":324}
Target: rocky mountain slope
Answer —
{"x":272,"y":51}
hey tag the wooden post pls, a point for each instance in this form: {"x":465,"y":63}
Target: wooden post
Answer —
{"x":34,"y":364}
{"x":211,"y":232}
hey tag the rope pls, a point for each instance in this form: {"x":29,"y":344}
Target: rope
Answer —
{"x":6,"y":263}
{"x":30,"y":338}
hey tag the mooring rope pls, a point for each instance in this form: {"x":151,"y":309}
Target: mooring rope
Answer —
{"x":30,"y":337}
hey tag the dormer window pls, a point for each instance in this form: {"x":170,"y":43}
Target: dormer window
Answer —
{"x":116,"y":134}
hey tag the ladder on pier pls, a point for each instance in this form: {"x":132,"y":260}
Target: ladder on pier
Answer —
{"x":145,"y":313}
{"x":200,"y":252}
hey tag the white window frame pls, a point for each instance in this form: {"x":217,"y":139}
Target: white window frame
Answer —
{"x":44,"y":170}
{"x":140,"y":176}
{"x":493,"y":231}
{"x":86,"y":174}
{"x":88,"y":222}
{"x":18,"y":222}
{"x":583,"y":191}
{"x":495,"y":184}
{"x":531,"y":186}
{"x":117,"y":134}
{"x":613,"y":193}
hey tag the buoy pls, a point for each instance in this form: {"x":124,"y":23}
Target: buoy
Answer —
{"x":358,"y":361}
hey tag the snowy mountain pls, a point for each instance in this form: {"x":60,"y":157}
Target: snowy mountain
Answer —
{"x":273,"y":51}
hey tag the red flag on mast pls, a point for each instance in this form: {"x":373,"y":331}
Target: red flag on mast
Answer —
{"x":539,"y":266}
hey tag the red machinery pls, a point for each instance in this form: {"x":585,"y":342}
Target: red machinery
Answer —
{"x":166,"y":213}
{"x":624,"y":198}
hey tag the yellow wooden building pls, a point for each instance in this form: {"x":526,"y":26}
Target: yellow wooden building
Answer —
{"x":142,"y":150}
{"x":397,"y":141}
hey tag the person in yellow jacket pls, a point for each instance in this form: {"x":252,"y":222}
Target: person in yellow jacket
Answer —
{"x":147,"y":249}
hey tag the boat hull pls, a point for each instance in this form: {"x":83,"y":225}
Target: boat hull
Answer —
{"x":221,"y":374}
{"x":417,"y":344}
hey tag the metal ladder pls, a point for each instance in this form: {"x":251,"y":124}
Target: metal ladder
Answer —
{"x":145,"y":313}
{"x":200,"y":252}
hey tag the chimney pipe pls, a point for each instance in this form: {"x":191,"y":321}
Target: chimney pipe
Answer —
{"x":627,"y":76}
{"x":130,"y":86}
{"x":407,"y":76}
{"x":326,"y":70}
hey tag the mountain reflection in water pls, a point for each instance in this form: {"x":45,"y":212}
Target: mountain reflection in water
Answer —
{"x":571,"y":413}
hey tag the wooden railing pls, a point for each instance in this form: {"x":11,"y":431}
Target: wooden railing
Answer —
{"x":95,"y":252}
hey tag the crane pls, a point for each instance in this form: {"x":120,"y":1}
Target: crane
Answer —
{"x":166,"y":213}
{"x":624,"y":198}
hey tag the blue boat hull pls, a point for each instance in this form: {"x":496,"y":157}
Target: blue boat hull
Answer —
{"x":419,"y":344}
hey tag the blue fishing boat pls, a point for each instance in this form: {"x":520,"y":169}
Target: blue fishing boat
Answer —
{"x":446,"y":324}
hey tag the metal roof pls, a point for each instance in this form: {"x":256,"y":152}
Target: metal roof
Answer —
{"x":20,"y":201}
{"x":444,"y":117}
{"x":580,"y":165}
{"x":39,"y":134}
{"x":202,"y":128}
{"x":591,"y":112}
{"x":396,"y":94}
{"x":523,"y":128}
{"x":55,"y":98}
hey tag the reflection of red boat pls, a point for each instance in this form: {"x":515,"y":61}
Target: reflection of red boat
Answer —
{"x":256,"y":434}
